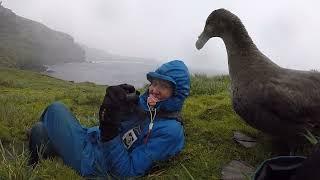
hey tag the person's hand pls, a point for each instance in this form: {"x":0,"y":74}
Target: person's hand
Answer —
{"x":115,"y":103}
{"x":152,"y":101}
{"x":128,"y":88}
{"x":132,"y":98}
{"x":116,"y":97}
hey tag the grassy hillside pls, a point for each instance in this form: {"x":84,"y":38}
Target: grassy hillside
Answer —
{"x":209,"y":123}
{"x":27,"y":44}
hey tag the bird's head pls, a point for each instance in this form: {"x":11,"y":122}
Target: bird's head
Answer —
{"x":219,"y":23}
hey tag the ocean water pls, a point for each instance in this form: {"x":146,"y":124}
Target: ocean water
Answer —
{"x":104,"y":72}
{"x":114,"y":72}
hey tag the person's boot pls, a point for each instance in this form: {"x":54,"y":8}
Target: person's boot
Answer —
{"x":39,"y":144}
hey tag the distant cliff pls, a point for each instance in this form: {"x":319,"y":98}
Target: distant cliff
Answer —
{"x":27,"y":44}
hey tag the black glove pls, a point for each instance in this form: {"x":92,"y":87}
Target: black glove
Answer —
{"x":118,"y":102}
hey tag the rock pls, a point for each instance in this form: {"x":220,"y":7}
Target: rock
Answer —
{"x":244,"y":140}
{"x":237,"y":170}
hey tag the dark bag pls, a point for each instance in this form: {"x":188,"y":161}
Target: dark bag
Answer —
{"x":291,"y":167}
{"x":281,"y":167}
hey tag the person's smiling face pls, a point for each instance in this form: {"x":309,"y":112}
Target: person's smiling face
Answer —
{"x":160,"y":89}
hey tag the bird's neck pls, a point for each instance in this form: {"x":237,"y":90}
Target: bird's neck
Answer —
{"x":244,"y":58}
{"x":238,"y":42}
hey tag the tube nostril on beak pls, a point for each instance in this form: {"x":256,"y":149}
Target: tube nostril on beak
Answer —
{"x":199,"y":44}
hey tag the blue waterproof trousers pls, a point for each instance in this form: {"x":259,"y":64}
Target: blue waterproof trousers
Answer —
{"x":60,"y":133}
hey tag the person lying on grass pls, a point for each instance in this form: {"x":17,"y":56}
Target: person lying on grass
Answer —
{"x":134,"y":131}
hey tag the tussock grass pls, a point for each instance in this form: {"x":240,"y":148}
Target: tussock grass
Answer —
{"x":208,"y":115}
{"x":206,"y":85}
{"x":13,"y":165}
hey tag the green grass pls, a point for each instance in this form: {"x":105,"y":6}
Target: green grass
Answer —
{"x":209,"y":123}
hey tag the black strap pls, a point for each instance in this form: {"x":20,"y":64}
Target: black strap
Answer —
{"x":171,"y":115}
{"x":162,"y":114}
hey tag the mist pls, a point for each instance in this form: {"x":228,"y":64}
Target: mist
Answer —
{"x":285,"y":31}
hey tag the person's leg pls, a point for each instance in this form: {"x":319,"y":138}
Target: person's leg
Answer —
{"x":65,"y":134}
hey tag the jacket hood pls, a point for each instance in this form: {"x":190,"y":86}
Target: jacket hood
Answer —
{"x":177,"y":73}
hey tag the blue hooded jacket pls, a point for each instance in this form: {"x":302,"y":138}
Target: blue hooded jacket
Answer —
{"x":127,"y":155}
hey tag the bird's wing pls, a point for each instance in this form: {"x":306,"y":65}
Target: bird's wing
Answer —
{"x":293,"y":97}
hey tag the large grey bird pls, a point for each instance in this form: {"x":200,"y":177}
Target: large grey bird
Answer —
{"x":281,"y":102}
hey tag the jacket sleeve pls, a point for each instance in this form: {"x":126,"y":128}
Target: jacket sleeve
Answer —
{"x":162,"y":143}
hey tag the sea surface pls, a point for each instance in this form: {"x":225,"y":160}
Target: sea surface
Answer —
{"x":104,"y":72}
{"x":113,"y":72}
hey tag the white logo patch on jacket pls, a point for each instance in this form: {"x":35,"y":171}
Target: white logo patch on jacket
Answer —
{"x":129,"y":138}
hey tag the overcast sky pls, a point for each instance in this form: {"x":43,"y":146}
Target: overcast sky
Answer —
{"x":287,"y":31}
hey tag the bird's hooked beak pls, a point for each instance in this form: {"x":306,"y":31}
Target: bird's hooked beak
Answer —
{"x":202,"y":40}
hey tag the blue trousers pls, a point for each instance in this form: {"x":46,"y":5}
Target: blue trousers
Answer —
{"x":58,"y":133}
